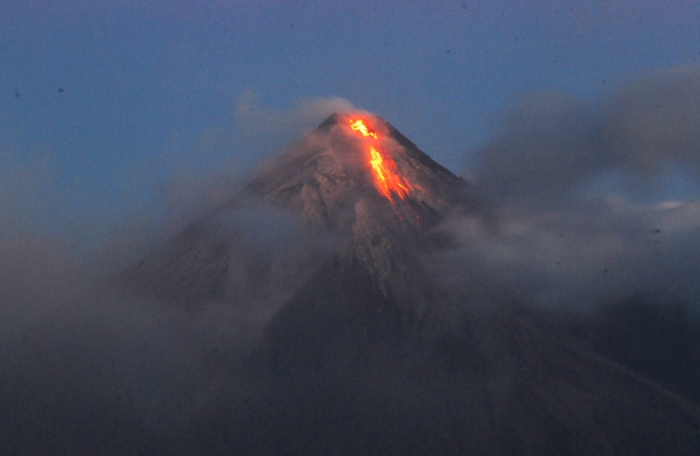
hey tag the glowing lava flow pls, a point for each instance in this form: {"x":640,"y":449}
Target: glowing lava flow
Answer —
{"x":385,"y":176}
{"x":386,"y":179}
{"x":359,"y":125}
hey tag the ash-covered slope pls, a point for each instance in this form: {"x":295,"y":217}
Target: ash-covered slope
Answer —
{"x":329,"y":171}
{"x":367,"y":355}
{"x":503,"y":385}
{"x":370,"y":357}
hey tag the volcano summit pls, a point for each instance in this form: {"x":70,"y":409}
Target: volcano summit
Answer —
{"x":364,"y":352}
{"x":359,"y":177}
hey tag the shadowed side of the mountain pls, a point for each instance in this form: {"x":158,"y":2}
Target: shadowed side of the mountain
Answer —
{"x":352,"y":381}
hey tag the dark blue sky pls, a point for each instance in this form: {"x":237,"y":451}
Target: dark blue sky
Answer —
{"x":103,"y":102}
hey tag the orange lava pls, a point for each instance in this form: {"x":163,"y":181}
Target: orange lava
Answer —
{"x":386,"y":177}
{"x":388,"y":181}
{"x":359,"y":125}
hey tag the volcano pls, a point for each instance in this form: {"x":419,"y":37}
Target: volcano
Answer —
{"x":327,"y":181}
{"x":365,"y":353}
{"x":380,"y":194}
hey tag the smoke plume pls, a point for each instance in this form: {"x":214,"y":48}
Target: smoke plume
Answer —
{"x":595,"y":219}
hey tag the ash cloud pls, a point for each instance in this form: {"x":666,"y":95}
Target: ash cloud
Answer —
{"x":87,"y":366}
{"x":266,"y":131}
{"x":595,"y":220}
{"x":551,"y":144}
{"x":580,"y":196}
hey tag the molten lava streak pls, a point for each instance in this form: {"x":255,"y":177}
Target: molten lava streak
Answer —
{"x":359,"y":125}
{"x":386,"y":178}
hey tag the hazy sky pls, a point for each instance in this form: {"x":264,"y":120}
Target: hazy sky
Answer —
{"x":103,"y":102}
